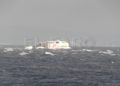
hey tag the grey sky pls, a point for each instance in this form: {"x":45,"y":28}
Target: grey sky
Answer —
{"x":96,"y":19}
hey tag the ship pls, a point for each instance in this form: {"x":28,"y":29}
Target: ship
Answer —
{"x":53,"y":45}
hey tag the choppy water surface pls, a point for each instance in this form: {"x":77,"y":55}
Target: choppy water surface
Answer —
{"x":76,"y":67}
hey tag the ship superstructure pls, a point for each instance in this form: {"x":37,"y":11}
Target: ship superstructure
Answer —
{"x":57,"y":44}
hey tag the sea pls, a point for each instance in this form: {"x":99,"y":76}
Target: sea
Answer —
{"x":95,"y":66}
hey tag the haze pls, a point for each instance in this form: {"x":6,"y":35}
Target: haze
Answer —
{"x":46,"y":19}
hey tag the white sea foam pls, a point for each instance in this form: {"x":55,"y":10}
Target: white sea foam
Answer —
{"x":8,"y":49}
{"x":112,"y":62}
{"x":29,"y":48}
{"x":23,"y":53}
{"x":108,"y":52}
{"x":88,"y":50}
{"x":49,"y":53}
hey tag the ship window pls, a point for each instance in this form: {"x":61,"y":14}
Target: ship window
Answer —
{"x":57,"y":42}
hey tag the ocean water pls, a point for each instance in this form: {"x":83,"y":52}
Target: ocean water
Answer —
{"x":75,"y":67}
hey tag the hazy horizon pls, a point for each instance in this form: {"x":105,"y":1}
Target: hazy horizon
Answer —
{"x":96,"y":20}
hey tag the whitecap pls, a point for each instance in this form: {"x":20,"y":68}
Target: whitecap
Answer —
{"x":88,"y":50}
{"x":8,"y":49}
{"x":49,"y":53}
{"x":23,"y":53}
{"x":109,"y":52}
{"x":28,"y":48}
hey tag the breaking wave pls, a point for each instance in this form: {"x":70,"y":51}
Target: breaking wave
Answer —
{"x":22,"y":52}
{"x":49,"y":53}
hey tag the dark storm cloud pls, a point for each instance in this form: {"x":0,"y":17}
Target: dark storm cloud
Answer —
{"x":98,"y":19}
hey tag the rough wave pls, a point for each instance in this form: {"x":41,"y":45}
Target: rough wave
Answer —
{"x":75,"y":67}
